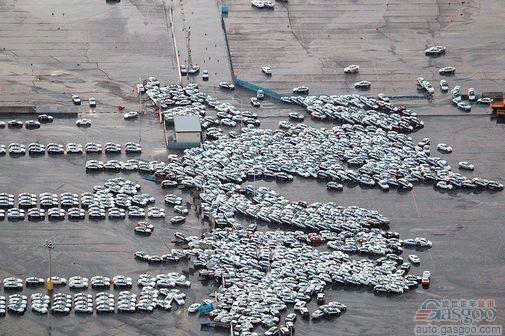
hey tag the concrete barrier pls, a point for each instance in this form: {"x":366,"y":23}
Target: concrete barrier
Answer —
{"x":30,"y":109}
{"x":54,"y":110}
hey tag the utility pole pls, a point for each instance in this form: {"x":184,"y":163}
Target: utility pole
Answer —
{"x":140,"y":96}
{"x":50,"y":245}
{"x":140,"y":112}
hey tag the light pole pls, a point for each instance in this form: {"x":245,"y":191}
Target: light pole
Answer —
{"x":140,"y":111}
{"x":50,"y":245}
{"x":140,"y":95}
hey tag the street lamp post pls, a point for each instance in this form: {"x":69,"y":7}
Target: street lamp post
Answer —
{"x":50,"y":245}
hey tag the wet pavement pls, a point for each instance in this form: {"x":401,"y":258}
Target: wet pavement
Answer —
{"x":310,"y":43}
{"x":53,"y":49}
{"x":466,"y":228}
{"x":199,"y":38}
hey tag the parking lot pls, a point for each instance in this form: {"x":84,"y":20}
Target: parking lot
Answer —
{"x":465,"y":229}
{"x":309,"y":44}
{"x":54,"y":49}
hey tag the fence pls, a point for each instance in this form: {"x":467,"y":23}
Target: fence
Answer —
{"x":255,"y":88}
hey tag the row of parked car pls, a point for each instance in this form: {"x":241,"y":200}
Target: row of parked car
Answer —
{"x":106,"y":197}
{"x":29,"y":124}
{"x":82,"y":303}
{"x":71,"y":148}
{"x":162,"y":280}
{"x":94,"y":212}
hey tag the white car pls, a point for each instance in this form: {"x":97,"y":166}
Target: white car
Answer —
{"x":485,"y":100}
{"x":34,"y":281}
{"x":226,"y":85}
{"x":260,"y":94}
{"x":112,"y":147}
{"x":464,"y":106}
{"x":464,"y":165}
{"x":444,"y":148}
{"x":194,"y":70}
{"x":73,"y":148}
{"x":83,"y":122}
{"x":269,"y":4}
{"x":428,"y":87}
{"x":266,"y":70}
{"x":351,"y":69}
{"x":255,"y":102}
{"x":122,"y":281}
{"x":130,"y":115}
{"x":456,"y":100}
{"x":131,"y":147}
{"x":91,"y":147}
{"x":471,"y":94}
{"x":15,"y":214}
{"x":414,"y":259}
{"x":184,"y":69}
{"x":383,"y":97}
{"x":449,"y":70}
{"x":258,"y":3}
{"x":154,"y":212}
{"x":76,"y":99}
{"x":362,"y":85}
{"x":57,"y":280}
{"x":435,"y":51}
{"x":301,"y":90}
{"x":76,"y":213}
{"x":78,"y":282}
{"x":444,"y":185}
{"x":205,"y":75}
{"x":455,"y":92}
{"x":194,"y":307}
{"x":444,"y":86}
{"x":92,"y":102}
{"x":16,"y":148}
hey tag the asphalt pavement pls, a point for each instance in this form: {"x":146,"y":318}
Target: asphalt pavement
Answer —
{"x":116,"y":44}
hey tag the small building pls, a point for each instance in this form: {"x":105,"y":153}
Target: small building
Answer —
{"x":187,"y":132}
{"x":499,"y":109}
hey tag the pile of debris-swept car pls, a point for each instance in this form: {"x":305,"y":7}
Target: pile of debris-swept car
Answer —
{"x":176,"y":100}
{"x":382,"y":159}
{"x":274,"y":270}
{"x":356,"y":109}
{"x":457,"y":99}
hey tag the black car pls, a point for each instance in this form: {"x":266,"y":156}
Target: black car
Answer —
{"x":15,"y":124}
{"x":32,"y":124}
{"x":44,"y":118}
